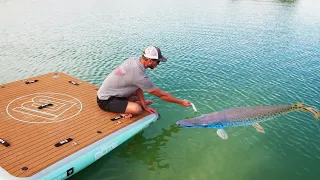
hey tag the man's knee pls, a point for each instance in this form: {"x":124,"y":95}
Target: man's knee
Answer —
{"x":137,"y":109}
{"x":134,"y":108}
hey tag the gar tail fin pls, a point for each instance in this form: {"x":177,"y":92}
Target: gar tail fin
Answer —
{"x":312,"y":110}
{"x":305,"y":108}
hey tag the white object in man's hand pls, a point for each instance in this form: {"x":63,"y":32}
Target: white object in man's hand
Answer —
{"x":194,"y":107}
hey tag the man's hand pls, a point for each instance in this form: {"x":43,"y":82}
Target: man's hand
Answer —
{"x":151,"y":110}
{"x":168,"y":97}
{"x":185,"y":103}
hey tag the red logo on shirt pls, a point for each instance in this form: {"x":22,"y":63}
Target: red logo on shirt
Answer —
{"x":119,"y":71}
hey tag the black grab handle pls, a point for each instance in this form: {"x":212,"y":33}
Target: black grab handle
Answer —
{"x":5,"y":143}
{"x":63,"y":142}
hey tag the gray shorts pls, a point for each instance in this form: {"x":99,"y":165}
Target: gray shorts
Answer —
{"x":113,"y":104}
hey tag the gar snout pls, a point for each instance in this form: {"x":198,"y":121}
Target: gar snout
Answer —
{"x":185,"y":123}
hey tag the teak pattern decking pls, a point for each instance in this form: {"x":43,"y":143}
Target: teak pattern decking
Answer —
{"x":32,"y":132}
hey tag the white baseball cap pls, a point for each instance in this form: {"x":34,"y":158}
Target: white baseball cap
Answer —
{"x":153,"y":52}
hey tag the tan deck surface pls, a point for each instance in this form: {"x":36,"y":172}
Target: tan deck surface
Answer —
{"x":32,"y":132}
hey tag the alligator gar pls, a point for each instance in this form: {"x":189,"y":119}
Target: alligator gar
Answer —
{"x":244,"y":116}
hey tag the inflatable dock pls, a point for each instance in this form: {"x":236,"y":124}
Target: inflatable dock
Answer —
{"x":51,"y":127}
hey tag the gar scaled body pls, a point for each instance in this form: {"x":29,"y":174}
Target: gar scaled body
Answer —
{"x":243,"y":117}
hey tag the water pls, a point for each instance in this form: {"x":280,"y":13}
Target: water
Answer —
{"x":221,"y":54}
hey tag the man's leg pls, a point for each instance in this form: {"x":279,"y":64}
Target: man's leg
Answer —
{"x":132,"y":109}
{"x":120,"y":105}
{"x":134,"y":106}
{"x":134,"y":98}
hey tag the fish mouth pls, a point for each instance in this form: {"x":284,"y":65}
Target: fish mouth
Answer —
{"x":184,"y":123}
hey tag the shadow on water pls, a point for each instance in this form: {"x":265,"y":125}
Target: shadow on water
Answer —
{"x":288,"y":1}
{"x":137,"y":148}
{"x":277,"y":1}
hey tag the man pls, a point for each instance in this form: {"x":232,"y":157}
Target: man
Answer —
{"x":122,"y":90}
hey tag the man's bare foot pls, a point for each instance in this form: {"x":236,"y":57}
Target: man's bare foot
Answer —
{"x":126,"y":115}
{"x":148,"y":102}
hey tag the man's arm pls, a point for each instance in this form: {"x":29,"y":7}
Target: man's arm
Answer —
{"x":168,"y":97}
{"x":140,"y":96}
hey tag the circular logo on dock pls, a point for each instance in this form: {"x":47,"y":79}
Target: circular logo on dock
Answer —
{"x":44,"y":108}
